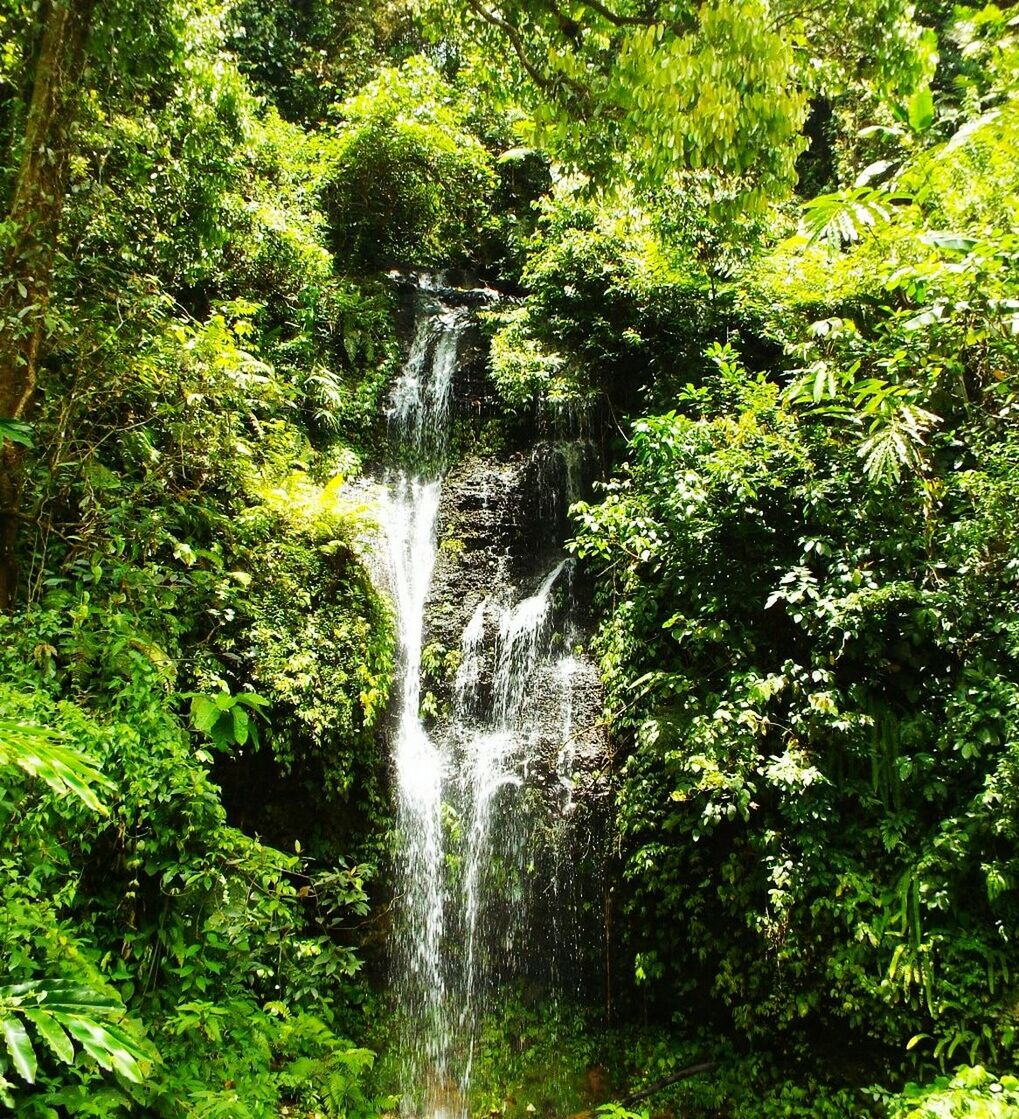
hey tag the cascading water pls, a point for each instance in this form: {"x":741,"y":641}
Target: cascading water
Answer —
{"x":418,"y":413}
{"x":410,"y":527}
{"x":462,"y":786}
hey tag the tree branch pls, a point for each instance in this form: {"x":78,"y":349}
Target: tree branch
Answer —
{"x":619,"y":20}
{"x":552,"y":84}
{"x":541,"y":80}
{"x":667,"y":1081}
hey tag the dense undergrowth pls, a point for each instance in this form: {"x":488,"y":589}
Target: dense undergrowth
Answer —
{"x":804,"y":560}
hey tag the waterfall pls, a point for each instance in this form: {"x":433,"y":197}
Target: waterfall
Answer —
{"x":521,"y":632}
{"x":463,"y":816}
{"x":468,"y":674}
{"x":409,"y":523}
{"x":419,"y":402}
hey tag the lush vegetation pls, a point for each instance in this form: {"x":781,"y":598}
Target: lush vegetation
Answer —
{"x":767,"y":255}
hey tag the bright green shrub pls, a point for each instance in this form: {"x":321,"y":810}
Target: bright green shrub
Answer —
{"x":155,"y":898}
{"x":621,"y":300}
{"x":204,"y":349}
{"x":320,"y":645}
{"x":822,"y":729}
{"x":406,"y":182}
{"x":972,"y":1093}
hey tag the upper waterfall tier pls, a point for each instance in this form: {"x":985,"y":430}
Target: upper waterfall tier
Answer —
{"x":420,"y":398}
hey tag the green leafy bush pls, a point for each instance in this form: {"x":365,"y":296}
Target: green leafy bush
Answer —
{"x":406,"y":182}
{"x":821,"y":728}
{"x":972,"y":1093}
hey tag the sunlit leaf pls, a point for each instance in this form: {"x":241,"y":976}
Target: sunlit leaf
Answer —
{"x":66,"y":770}
{"x":920,"y":110}
{"x":20,"y":1048}
{"x":52,"y":1034}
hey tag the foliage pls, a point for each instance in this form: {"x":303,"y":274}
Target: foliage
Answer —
{"x":971,"y":1092}
{"x":619,"y":290}
{"x":565,"y":1060}
{"x":320,"y":644}
{"x":803,"y":564}
{"x":58,"y":1013}
{"x":203,"y":349}
{"x":64,"y":769}
{"x":806,"y":579}
{"x":201,"y":930}
{"x":629,"y":90}
{"x":228,"y":720}
{"x":61,"y":1013}
{"x":739,"y":548}
{"x":305,"y":57}
{"x":407,"y":183}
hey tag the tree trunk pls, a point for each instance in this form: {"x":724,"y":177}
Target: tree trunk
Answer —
{"x":34,"y":216}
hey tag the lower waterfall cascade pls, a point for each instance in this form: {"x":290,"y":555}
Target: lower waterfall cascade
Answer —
{"x":476,"y":783}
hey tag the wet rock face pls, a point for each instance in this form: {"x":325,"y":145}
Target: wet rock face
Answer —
{"x":501,"y":528}
{"x":504,"y":515}
{"x":479,"y":532}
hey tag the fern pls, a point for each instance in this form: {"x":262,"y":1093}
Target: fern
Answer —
{"x":898,"y":429}
{"x":324,"y":392}
{"x":894,"y":443}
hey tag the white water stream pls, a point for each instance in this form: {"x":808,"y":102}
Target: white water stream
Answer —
{"x":462,"y":841}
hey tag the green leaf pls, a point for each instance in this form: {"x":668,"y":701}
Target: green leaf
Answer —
{"x":873,"y":171}
{"x":204,"y":714}
{"x":20,"y":1048}
{"x":881,"y":130}
{"x":62,"y":995}
{"x":515,"y":155}
{"x":16,"y":432}
{"x":241,"y":722}
{"x":54,"y":1007}
{"x":65,"y":769}
{"x":52,"y":1034}
{"x":955,"y":242}
{"x":252,"y":699}
{"x":841,"y":218}
{"x":108,"y":1046}
{"x":227,"y":719}
{"x":920,"y":110}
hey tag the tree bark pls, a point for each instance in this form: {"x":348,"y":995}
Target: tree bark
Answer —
{"x":36,"y":204}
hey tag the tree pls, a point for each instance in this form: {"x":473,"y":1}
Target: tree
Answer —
{"x":649,"y":89}
{"x":30,"y":233}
